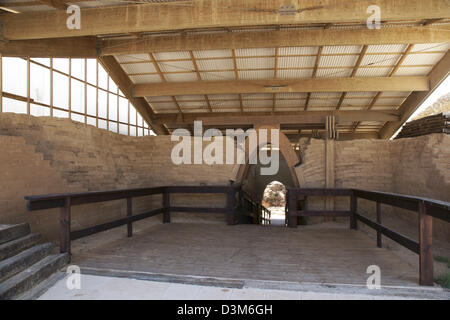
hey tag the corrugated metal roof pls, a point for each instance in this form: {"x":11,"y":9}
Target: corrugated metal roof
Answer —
{"x":216,"y":64}
{"x":296,"y":62}
{"x":180,"y":77}
{"x":255,"y":52}
{"x":134,"y":68}
{"x":176,"y":55}
{"x":149,"y":78}
{"x":256,"y":75}
{"x":298,"y":50}
{"x":294,"y":74}
{"x":216,"y":76}
{"x":415,"y":71}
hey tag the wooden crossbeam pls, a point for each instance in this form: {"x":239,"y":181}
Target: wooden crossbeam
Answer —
{"x":210,"y":13}
{"x":282,"y":38}
{"x":297,"y":117}
{"x":279,"y":86}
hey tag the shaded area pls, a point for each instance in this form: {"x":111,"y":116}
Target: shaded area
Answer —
{"x":318,"y":254}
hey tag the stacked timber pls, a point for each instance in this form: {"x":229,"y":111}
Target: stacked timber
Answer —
{"x":439,"y":123}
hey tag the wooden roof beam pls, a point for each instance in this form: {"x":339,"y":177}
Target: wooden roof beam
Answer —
{"x":281,"y":86}
{"x":208,"y":14}
{"x":283,"y":38}
{"x":297,"y":117}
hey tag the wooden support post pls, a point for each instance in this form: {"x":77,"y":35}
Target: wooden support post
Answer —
{"x":425,"y":243}
{"x":230,"y":207}
{"x":353,"y":209}
{"x":379,"y":240}
{"x":330,"y":161}
{"x":292,"y":219}
{"x":166,"y":205}
{"x":129,"y":214}
{"x":64,"y":223}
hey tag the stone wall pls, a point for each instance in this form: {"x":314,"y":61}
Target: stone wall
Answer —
{"x":49,"y":155}
{"x":414,"y":166}
{"x":46,"y":155}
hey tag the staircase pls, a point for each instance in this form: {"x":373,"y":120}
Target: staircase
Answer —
{"x":24,"y":261}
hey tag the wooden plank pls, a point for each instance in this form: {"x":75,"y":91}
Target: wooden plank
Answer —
{"x":282,"y":118}
{"x":199,"y":209}
{"x":321,"y":192}
{"x":282,"y":86}
{"x":354,"y":211}
{"x":166,"y":206}
{"x":425,"y":243}
{"x":113,"y":224}
{"x":129,"y":214}
{"x":208,"y":14}
{"x":396,"y":200}
{"x":292,"y":212}
{"x":83,"y":47}
{"x":279,"y":38}
{"x":64,"y":225}
{"x":323,"y":213}
{"x":379,"y":236}
{"x":400,"y":239}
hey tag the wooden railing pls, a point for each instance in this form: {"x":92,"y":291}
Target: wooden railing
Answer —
{"x":426,"y":208}
{"x":253,"y":209}
{"x":66,"y":201}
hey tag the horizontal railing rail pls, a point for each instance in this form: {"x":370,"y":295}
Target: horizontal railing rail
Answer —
{"x":425,"y":207}
{"x":67,"y":200}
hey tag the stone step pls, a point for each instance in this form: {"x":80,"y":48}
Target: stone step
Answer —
{"x":11,"y":248}
{"x":32,"y":276}
{"x":12,"y":232}
{"x":23,"y":260}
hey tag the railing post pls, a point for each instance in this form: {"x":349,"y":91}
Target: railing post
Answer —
{"x":166,"y":205}
{"x":230,"y":207}
{"x":379,"y":240}
{"x":292,"y":218}
{"x":129,"y":214}
{"x":353,"y":209}
{"x":64,"y":223}
{"x":425,"y":244}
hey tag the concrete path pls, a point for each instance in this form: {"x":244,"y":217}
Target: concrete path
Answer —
{"x":108,"y":288}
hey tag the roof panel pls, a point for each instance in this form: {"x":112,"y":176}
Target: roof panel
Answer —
{"x":415,"y":71}
{"x":255,"y":52}
{"x":384,"y":60}
{"x":216,"y":75}
{"x":133,"y":68}
{"x":338,"y":61}
{"x":296,"y":62}
{"x":294,"y":74}
{"x":132,"y":58}
{"x":180,"y":77}
{"x":216,"y":64}
{"x":374,"y":72}
{"x":424,"y":47}
{"x":255,"y":63}
{"x":429,"y":58}
{"x":387,"y":48}
{"x":256,"y":75}
{"x":341,"y":49}
{"x":334,"y":72}
{"x":175,"y":55}
{"x":212,"y":54}
{"x":174,"y":66}
{"x":298,"y":50}
{"x":148,"y":78}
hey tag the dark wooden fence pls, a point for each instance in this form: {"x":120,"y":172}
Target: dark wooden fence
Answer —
{"x":254,"y":210}
{"x":426,"y":208}
{"x":66,"y":201}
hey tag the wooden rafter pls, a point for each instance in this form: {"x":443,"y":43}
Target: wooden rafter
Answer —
{"x":199,"y":77}
{"x":204,"y":14}
{"x":236,"y":75}
{"x":355,"y":69}
{"x":283,"y":38}
{"x":282,"y":86}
